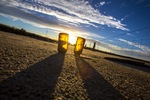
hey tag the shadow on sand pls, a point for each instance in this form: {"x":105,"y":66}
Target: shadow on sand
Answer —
{"x":37,"y":82}
{"x":130,"y":63}
{"x":97,"y":87}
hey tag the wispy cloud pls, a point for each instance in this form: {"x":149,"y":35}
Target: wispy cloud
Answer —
{"x":102,"y":3}
{"x":26,"y":17}
{"x":146,"y":2}
{"x":148,"y":5}
{"x":139,"y":1}
{"x":126,"y":16}
{"x":122,"y":51}
{"x":123,"y":5}
{"x":129,"y":34}
{"x":71,"y":12}
{"x":142,"y":47}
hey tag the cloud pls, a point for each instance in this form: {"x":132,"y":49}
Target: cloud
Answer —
{"x":17,"y":14}
{"x":71,"y":12}
{"x":100,"y":4}
{"x":148,"y":5}
{"x":126,"y":16}
{"x":140,"y":1}
{"x":142,"y":47}
{"x":123,"y":4}
{"x":129,"y":34}
{"x":145,"y":2}
{"x":121,"y":51}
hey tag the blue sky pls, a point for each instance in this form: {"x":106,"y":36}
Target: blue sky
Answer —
{"x":96,"y":20}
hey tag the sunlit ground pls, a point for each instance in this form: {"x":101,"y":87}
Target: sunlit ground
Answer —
{"x":38,"y":71}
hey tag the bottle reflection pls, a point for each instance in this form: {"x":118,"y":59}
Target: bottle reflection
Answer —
{"x":63,"y":42}
{"x":79,"y":46}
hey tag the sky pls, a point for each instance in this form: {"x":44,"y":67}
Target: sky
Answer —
{"x":118,"y":26}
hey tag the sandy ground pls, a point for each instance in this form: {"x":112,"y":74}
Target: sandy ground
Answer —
{"x":33,"y":69}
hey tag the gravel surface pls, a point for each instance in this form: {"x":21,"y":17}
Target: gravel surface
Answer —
{"x":33,"y":69}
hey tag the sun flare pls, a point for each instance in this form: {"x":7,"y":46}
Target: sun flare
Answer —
{"x":72,"y":39}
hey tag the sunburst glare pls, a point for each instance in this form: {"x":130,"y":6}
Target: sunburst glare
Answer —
{"x":72,"y":39}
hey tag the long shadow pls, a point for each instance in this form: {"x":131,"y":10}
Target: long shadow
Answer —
{"x":37,"y":82}
{"x":130,"y":63}
{"x":97,"y":87}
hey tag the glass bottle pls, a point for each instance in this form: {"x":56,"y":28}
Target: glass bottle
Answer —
{"x":63,"y":42}
{"x":79,"y":46}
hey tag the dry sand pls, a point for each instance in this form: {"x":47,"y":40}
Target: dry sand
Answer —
{"x":32,"y":69}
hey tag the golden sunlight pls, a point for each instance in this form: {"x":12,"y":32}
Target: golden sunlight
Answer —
{"x":72,"y":39}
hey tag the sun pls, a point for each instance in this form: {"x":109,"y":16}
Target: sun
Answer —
{"x":72,"y":39}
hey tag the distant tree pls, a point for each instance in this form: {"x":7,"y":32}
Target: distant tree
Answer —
{"x":23,"y":32}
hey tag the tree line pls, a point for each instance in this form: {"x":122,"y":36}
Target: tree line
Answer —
{"x":23,"y":32}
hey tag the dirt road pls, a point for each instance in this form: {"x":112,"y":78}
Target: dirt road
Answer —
{"x":33,"y":69}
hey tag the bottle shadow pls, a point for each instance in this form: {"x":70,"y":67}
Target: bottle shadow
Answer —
{"x":97,"y":87}
{"x":36,"y":82}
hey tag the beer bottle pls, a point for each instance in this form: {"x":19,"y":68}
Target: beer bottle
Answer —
{"x":79,"y":46}
{"x":63,"y":42}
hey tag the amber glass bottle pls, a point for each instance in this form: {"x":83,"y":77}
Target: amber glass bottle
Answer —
{"x":79,"y":46}
{"x":63,"y":42}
